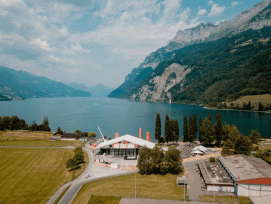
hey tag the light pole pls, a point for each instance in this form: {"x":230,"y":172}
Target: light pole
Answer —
{"x":135,"y":185}
{"x":214,"y":190}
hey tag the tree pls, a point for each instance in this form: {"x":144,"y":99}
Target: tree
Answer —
{"x":59,"y":131}
{"x":167,"y":129}
{"x":195,"y":127}
{"x":14,"y":123}
{"x":255,"y":136}
{"x":261,"y":108}
{"x":85,"y":134}
{"x":177,"y":131}
{"x":190,"y":129}
{"x":157,"y":158}
{"x":210,"y":118}
{"x":228,"y":148}
{"x":173,"y":160}
{"x":78,"y":159}
{"x":92,"y":134}
{"x":144,"y":161}
{"x":158,"y":128}
{"x":243,"y":145}
{"x":200,"y":131}
{"x":78,"y":131}
{"x":207,"y":130}
{"x":34,"y":126}
{"x":45,"y":121}
{"x":185,"y":129}
{"x":218,"y":130}
{"x":172,"y":130}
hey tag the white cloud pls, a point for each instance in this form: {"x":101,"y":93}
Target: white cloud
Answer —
{"x":75,"y":49}
{"x":129,"y":30}
{"x":235,"y":3}
{"x":216,"y":10}
{"x":210,"y":2}
{"x":202,"y":12}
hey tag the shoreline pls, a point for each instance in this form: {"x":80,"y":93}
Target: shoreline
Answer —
{"x":237,"y":110}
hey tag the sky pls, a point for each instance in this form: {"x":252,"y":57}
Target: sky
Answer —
{"x":98,"y":41}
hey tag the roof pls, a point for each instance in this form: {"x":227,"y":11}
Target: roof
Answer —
{"x":71,"y":135}
{"x":245,"y":168}
{"x":128,"y":138}
{"x":197,"y":152}
{"x":200,"y":148}
{"x":213,"y":173}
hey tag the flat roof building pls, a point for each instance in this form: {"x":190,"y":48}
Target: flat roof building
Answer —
{"x":215,"y":178}
{"x":251,"y":176}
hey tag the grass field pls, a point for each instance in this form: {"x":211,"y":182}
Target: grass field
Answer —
{"x":32,"y":175}
{"x":254,"y":99}
{"x":152,"y":186}
{"x":104,"y":200}
{"x":225,"y":199}
{"x":33,"y":139}
{"x":39,"y":143}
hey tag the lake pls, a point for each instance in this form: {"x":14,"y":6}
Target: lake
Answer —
{"x":122,"y":116}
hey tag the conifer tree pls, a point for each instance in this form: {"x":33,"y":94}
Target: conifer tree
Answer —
{"x":190,"y":129}
{"x":207,"y":132}
{"x":172,"y":130}
{"x":195,"y":127}
{"x":185,"y":129}
{"x":218,"y":130}
{"x":158,"y":128}
{"x":177,"y":131}
{"x":200,"y":124}
{"x":167,"y":129}
{"x":210,"y":118}
{"x":261,"y":108}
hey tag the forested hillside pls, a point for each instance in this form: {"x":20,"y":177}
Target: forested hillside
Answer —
{"x":221,"y":70}
{"x":19,"y":85}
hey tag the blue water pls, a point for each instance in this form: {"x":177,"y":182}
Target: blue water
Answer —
{"x":122,"y":116}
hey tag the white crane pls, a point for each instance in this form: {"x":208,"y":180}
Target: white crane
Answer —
{"x":102,"y":134}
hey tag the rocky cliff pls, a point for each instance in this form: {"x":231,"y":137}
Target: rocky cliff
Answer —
{"x":256,"y":18}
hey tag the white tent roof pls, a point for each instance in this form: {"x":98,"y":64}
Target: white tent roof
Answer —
{"x":200,"y":148}
{"x":128,"y":138}
{"x":197,"y":152}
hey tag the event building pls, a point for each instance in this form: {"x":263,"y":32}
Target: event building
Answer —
{"x":125,"y":146}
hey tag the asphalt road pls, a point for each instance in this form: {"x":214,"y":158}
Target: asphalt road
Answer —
{"x":96,"y":173}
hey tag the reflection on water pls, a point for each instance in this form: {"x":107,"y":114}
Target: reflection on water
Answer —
{"x":123,"y":116}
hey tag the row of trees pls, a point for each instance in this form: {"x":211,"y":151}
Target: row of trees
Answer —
{"x":12,"y":123}
{"x":172,"y":131}
{"x":42,"y":127}
{"x":15,"y":123}
{"x":155,"y":161}
{"x":190,"y":131}
{"x":246,"y":106}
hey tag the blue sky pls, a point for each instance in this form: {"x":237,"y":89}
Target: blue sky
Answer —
{"x":97,"y":41}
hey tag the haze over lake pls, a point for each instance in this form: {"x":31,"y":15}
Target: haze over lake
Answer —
{"x":122,"y":116}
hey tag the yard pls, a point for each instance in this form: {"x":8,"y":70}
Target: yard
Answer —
{"x":151,"y":186}
{"x":32,"y":175}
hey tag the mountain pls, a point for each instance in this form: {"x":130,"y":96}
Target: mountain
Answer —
{"x":212,"y":72}
{"x":20,"y":84}
{"x":98,"y":90}
{"x":256,"y":18}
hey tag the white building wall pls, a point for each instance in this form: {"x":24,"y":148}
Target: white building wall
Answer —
{"x":220,"y":188}
{"x":253,"y":190}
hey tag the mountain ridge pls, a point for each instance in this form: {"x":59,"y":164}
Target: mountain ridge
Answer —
{"x":16,"y":85}
{"x":204,"y":32}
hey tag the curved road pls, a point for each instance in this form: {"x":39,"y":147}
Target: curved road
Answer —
{"x":96,"y":173}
